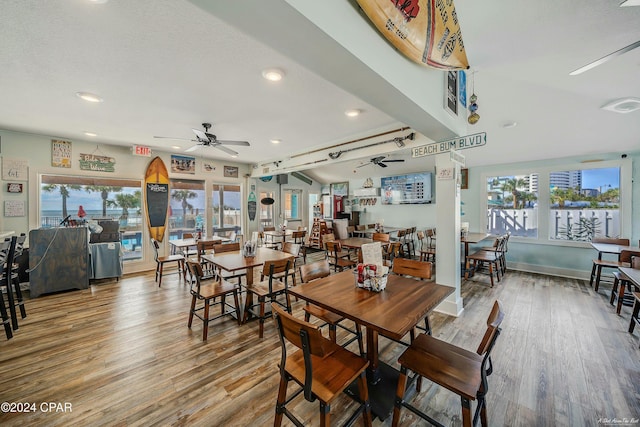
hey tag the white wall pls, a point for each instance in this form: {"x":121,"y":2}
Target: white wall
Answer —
{"x":36,"y":149}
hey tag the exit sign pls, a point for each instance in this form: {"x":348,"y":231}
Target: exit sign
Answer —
{"x":141,"y":150}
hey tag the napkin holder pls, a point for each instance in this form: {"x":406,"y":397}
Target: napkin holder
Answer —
{"x":249,"y":249}
{"x":372,"y":277}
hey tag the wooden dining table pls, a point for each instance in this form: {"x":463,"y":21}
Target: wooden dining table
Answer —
{"x":610,"y":248}
{"x":234,"y":261}
{"x":392,"y":313}
{"x":178,"y":245}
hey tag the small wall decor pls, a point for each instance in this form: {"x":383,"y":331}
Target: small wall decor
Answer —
{"x":97,"y":162}
{"x":14,"y":208}
{"x":473,"y":104}
{"x":464,"y":179}
{"x":208,"y":166}
{"x":231,"y":171}
{"x":183,"y":164}
{"x":451,"y":92}
{"x":14,"y":187}
{"x":60,"y":153}
{"x":15,"y":169}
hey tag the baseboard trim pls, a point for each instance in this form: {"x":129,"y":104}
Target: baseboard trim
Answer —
{"x":551,"y":271}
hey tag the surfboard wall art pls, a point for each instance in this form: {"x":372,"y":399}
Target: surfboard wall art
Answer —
{"x":425,"y":31}
{"x":156,"y":187}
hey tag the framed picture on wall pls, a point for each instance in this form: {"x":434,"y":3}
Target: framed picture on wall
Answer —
{"x":464,"y":179}
{"x":231,"y":171}
{"x":340,"y":189}
{"x":451,"y":92}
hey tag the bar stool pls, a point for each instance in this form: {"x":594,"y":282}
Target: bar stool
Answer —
{"x":10,"y":279}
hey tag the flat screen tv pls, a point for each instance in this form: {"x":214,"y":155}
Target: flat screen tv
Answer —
{"x":413,"y":188}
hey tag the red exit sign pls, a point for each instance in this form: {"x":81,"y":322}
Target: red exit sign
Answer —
{"x":141,"y":150}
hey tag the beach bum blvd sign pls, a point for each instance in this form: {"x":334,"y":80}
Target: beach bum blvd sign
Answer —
{"x":461,"y":143}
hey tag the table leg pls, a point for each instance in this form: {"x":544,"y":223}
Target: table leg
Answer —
{"x":249,"y":299}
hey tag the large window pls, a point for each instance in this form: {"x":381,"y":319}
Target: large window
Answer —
{"x":227,"y":209}
{"x":186,"y":208}
{"x":564,"y":205}
{"x":584,"y":204}
{"x":512,"y":205}
{"x":85,"y":198}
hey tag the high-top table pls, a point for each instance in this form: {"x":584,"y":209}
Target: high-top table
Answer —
{"x":392,"y":313}
{"x":235,"y":261}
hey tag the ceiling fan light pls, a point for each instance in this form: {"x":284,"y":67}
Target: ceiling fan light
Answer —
{"x":91,"y":134}
{"x":273,"y":74}
{"x":623,"y":105}
{"x":275,"y":141}
{"x":353,"y":112}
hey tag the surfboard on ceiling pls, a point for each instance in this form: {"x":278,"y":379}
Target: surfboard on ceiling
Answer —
{"x":425,"y":31}
{"x":156,"y":187}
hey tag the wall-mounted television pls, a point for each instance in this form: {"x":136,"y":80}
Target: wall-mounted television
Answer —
{"x":413,"y":188}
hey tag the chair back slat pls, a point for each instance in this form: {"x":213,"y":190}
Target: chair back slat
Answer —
{"x":493,"y":325}
{"x":205,"y":246}
{"x":226,"y":247}
{"x":291,"y":248}
{"x":612,"y":241}
{"x":635,"y":262}
{"x":625,"y":256}
{"x":290,"y":327}
{"x":314,"y":270}
{"x":381,"y":237}
{"x":412,"y":267}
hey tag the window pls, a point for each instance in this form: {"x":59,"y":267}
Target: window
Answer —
{"x":86,"y":198}
{"x":186,"y":208}
{"x":566,"y":205}
{"x":584,"y":204}
{"x":512,"y":205}
{"x":292,"y":204}
{"x":227,"y":209}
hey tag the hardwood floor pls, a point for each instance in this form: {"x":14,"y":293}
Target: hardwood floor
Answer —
{"x":121,"y":354}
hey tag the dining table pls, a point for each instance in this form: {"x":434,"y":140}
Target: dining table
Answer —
{"x":183,"y":245}
{"x":610,"y":248}
{"x":277,"y":237}
{"x":234,"y":261}
{"x":392,"y":313}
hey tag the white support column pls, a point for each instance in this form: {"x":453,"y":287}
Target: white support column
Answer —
{"x":448,"y":231}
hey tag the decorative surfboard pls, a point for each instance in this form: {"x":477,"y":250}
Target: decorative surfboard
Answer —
{"x":252,"y":206}
{"x":156,"y":187}
{"x":425,"y":31}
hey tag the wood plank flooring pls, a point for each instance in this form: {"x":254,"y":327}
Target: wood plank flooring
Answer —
{"x":120,"y":353}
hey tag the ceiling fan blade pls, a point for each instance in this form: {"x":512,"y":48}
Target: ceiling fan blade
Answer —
{"x":240,"y":143}
{"x":382,"y":165}
{"x":193,"y":148}
{"x":178,"y":139}
{"x":225,"y":149}
{"x":393,"y":161}
{"x":605,"y":58}
{"x":200,"y":135}
{"x":360,"y":166}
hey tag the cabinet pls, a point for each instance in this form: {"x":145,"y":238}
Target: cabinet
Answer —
{"x":58,"y":260}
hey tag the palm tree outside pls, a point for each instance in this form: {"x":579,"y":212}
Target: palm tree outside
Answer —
{"x":64,"y":192}
{"x":182,"y":196}
{"x":104,"y":191}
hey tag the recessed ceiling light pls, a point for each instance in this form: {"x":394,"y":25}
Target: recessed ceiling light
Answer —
{"x":509,"y":125}
{"x":98,"y":1}
{"x":353,"y":113}
{"x":234,"y":156}
{"x":91,"y":134}
{"x":623,"y":105}
{"x":275,"y":141}
{"x":89,"y":97}
{"x":176,"y":147}
{"x":630,"y":3}
{"x":273,"y":74}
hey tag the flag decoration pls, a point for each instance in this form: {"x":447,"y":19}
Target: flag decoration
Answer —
{"x":426,"y":31}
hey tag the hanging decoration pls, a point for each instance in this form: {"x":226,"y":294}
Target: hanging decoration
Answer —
{"x":425,"y":31}
{"x":473,"y":103}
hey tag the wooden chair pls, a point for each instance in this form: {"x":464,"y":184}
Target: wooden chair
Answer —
{"x":322,"y":368}
{"x":427,"y":253}
{"x":7,"y":316}
{"x":229,"y":275}
{"x":339,"y":258}
{"x":490,"y":258}
{"x":162,"y":260}
{"x":317,"y":270}
{"x":268,"y":239}
{"x":187,"y":252}
{"x":621,"y":282}
{"x":270,"y":287}
{"x":599,"y":263}
{"x":381,"y":237}
{"x":208,"y":292}
{"x":295,"y":250}
{"x":391,"y":252}
{"x":461,"y":371}
{"x":205,"y":247}
{"x":501,"y":252}
{"x":299,"y":238}
{"x":351,"y":229}
{"x":635,"y":313}
{"x":419,"y":269}
{"x":9,"y":278}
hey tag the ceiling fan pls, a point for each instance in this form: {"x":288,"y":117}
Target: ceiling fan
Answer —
{"x":206,"y":139}
{"x":381,"y":162}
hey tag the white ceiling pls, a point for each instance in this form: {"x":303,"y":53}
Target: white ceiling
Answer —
{"x":166,"y":66}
